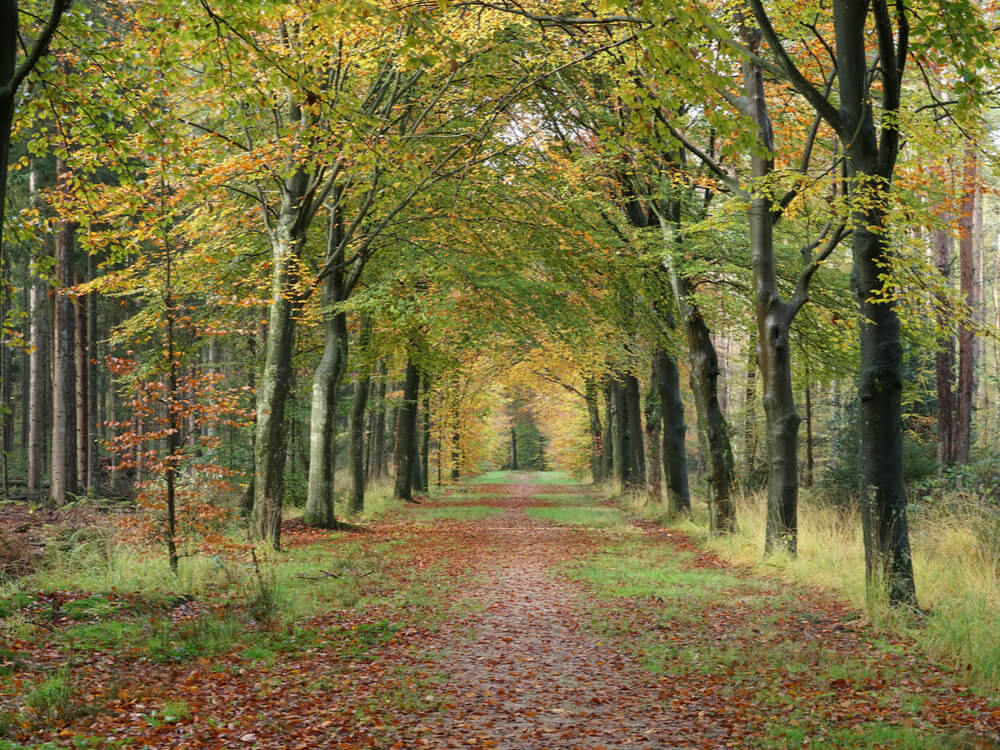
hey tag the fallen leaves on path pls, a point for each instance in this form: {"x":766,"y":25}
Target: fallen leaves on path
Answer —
{"x":527,"y":654}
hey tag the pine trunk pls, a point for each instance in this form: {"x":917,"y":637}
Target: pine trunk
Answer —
{"x":63,"y":470}
{"x":38,"y":368}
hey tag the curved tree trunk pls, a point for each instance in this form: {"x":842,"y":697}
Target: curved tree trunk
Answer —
{"x":276,"y":378}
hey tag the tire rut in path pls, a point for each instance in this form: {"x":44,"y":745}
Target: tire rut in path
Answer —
{"x":531,"y":675}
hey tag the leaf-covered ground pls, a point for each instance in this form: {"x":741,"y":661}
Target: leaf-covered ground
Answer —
{"x":520,"y":615}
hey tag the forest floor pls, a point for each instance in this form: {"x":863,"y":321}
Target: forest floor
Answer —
{"x":517,"y":614}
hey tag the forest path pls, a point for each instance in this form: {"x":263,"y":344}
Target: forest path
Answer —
{"x":519,"y":614}
{"x":526,"y":671}
{"x":705,"y":656}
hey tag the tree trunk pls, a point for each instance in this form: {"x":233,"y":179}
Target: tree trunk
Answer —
{"x":750,"y":419}
{"x":275,"y":380}
{"x":654,"y":486}
{"x":712,"y":428}
{"x":425,"y":442}
{"x":944,"y":360}
{"x":621,"y":450}
{"x":607,"y":438}
{"x":456,"y":448}
{"x":674,"y":431}
{"x":513,"y":449}
{"x":774,"y":322}
{"x":378,"y":430}
{"x":358,"y":408}
{"x":82,"y":393}
{"x":596,"y":441}
{"x":325,"y":387}
{"x":38,"y":367}
{"x":637,"y":455}
{"x":63,"y":472}
{"x":888,"y":561}
{"x":809,"y":432}
{"x":965,"y":396}
{"x":93,"y":389}
{"x":407,"y":433}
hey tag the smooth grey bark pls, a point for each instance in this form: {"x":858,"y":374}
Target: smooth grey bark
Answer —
{"x":287,"y":240}
{"x":63,"y":466}
{"x":407,"y":433}
{"x":422,"y":479}
{"x":325,"y":387}
{"x":596,"y":433}
{"x":810,"y":465}
{"x":774,"y":319}
{"x":871,"y":160}
{"x":678,"y":495}
{"x":359,"y":406}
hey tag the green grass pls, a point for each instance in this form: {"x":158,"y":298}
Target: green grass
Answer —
{"x":956,"y":555}
{"x":551,"y":477}
{"x":565,"y":498}
{"x":576,"y":515}
{"x":757,"y":655}
{"x":455,"y":512}
{"x":465,"y":498}
{"x":494,"y":477}
{"x":869,"y":736}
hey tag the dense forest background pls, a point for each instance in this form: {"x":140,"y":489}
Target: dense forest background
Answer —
{"x":295,"y":258}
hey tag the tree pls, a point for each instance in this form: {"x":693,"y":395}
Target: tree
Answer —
{"x":871,"y":152}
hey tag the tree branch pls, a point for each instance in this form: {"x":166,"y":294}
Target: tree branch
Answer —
{"x":59,"y":7}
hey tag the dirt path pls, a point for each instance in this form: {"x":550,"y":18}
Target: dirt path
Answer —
{"x":526,"y":653}
{"x":525,"y":672}
{"x":528,"y":670}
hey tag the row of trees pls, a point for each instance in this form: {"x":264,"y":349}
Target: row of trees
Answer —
{"x":222,"y":213}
